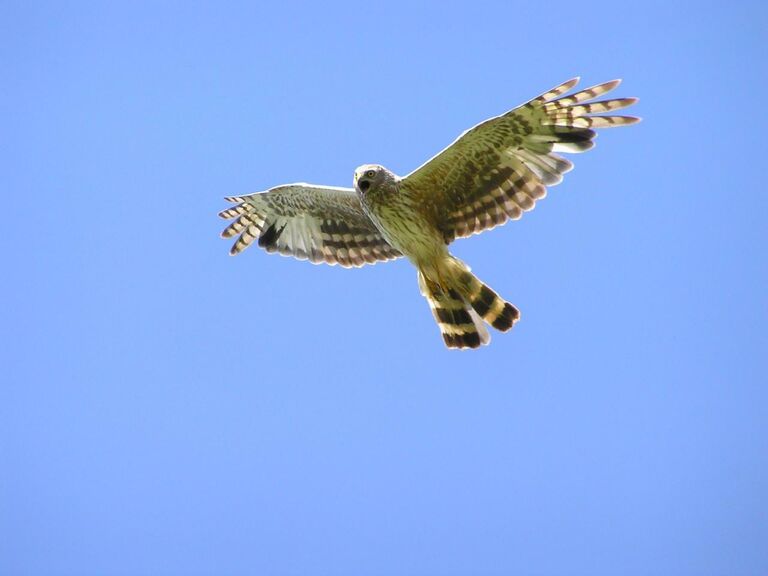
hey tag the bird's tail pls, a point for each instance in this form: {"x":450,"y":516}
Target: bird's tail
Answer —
{"x":460,"y":302}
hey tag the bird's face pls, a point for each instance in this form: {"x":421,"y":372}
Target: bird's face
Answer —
{"x":368,"y":178}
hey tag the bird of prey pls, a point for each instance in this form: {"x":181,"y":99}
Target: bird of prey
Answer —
{"x":490,"y":174}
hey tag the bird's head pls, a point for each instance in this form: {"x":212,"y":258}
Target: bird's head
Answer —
{"x":372,"y":177}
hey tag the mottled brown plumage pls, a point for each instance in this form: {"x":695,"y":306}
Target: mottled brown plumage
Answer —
{"x":492,"y":173}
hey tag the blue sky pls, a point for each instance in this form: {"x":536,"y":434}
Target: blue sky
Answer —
{"x":168,"y":409}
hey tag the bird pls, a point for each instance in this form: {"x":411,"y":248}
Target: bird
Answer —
{"x":492,"y":173}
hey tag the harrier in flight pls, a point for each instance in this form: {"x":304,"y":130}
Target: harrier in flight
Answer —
{"x":490,"y":174}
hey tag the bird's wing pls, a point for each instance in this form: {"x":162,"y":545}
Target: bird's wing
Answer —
{"x":319,"y":223}
{"x":499,"y":169}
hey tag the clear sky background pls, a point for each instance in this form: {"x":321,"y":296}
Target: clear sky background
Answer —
{"x":168,"y":409}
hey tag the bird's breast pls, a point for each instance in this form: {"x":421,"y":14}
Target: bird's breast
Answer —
{"x":405,"y":226}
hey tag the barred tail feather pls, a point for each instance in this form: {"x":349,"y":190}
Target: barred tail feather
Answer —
{"x":493,"y":309}
{"x":462,"y":304}
{"x":459,"y":324}
{"x":484,"y":301}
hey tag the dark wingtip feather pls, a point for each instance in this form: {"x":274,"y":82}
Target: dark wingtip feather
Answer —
{"x":269,"y":237}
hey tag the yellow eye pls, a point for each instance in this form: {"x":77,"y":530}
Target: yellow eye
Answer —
{"x":370,"y":174}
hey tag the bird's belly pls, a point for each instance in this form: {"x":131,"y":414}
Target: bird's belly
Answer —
{"x":408,"y":231}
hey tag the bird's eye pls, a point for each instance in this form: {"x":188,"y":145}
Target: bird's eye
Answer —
{"x":370,"y":174}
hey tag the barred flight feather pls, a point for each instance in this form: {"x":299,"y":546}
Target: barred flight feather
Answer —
{"x":320,"y":224}
{"x":501,"y":167}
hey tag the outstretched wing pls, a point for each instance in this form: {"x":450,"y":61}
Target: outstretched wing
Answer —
{"x":499,"y":169}
{"x":319,"y":223}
